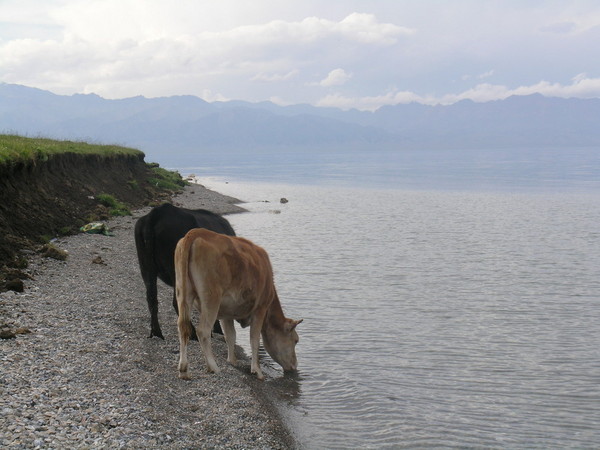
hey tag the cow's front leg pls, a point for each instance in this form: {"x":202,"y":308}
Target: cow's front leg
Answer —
{"x":229,"y":332}
{"x":217,"y":328}
{"x":152,"y":299}
{"x":254,"y":344}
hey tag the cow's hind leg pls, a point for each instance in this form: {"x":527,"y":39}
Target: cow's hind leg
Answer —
{"x":193,"y":335}
{"x":229,"y":331}
{"x":208,"y":315}
{"x":144,"y":244}
{"x":184,"y":338}
{"x":152,"y":299}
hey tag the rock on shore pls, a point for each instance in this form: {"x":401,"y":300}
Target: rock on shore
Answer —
{"x":87,"y":376}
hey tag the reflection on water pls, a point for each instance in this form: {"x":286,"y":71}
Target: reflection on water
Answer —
{"x":288,"y":387}
{"x":530,"y":169}
{"x":435,"y":318}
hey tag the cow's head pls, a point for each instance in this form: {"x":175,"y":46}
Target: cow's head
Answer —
{"x":280,"y":342}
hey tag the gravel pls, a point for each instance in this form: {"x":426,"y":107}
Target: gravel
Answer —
{"x":82,"y":373}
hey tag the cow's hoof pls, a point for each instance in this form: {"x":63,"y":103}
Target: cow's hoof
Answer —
{"x":158,"y":334}
{"x":184,"y":375}
{"x":214,"y":369}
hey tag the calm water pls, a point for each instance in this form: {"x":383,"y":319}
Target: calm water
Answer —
{"x":436,"y":318}
{"x":482,"y":170}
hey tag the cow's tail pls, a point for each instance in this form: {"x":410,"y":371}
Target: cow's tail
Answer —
{"x":182,"y":287}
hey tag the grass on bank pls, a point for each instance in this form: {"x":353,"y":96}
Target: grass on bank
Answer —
{"x":166,"y":179}
{"x":18,"y":149}
{"x":116,"y":207}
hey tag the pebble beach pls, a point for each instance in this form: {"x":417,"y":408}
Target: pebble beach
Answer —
{"x":81,"y":371}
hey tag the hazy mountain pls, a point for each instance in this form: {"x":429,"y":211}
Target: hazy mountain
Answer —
{"x":184,"y":124}
{"x":532,"y":120}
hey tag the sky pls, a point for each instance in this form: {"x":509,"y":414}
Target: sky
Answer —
{"x":339,"y":53}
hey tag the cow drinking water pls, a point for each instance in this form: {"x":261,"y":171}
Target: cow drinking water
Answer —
{"x":156,"y":235}
{"x":230,"y":278}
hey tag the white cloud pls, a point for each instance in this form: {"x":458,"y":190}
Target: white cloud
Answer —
{"x":286,"y":50}
{"x":275,"y":77}
{"x":573,"y":23}
{"x":480,"y":76}
{"x":370,"y":103}
{"x":356,"y":27}
{"x":365,"y":28}
{"x":581,"y":87}
{"x":209,"y":96}
{"x":336,"y":77}
{"x":279,"y":101}
{"x":101,"y":48}
{"x":25,"y":12}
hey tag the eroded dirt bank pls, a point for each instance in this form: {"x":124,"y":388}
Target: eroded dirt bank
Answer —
{"x":44,"y":199}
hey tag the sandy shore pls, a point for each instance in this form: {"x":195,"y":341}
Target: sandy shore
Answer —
{"x":83,"y":374}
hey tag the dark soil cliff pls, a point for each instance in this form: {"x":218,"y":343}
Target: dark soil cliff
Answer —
{"x":43,"y":199}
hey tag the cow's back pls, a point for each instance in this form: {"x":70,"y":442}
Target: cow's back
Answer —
{"x":233,"y":265}
{"x":210,"y":221}
{"x":168,"y":224}
{"x":164,"y":226}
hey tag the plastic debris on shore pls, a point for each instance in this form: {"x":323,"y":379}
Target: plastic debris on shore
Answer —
{"x":96,"y":228}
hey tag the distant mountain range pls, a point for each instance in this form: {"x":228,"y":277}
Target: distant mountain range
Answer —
{"x":186,"y":124}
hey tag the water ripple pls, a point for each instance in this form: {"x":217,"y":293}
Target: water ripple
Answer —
{"x":439,"y":319}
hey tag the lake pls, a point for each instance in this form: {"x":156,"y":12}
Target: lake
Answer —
{"x":456,"y":308}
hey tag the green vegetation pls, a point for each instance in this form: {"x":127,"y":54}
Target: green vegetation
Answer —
{"x":19,"y":149}
{"x":21,"y":262}
{"x":116,"y":207}
{"x":65,"y":231}
{"x":166,"y":179}
{"x":45,"y":238}
{"x":133,"y":184}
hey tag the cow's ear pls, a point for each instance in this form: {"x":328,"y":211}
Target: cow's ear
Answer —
{"x":294,"y":323}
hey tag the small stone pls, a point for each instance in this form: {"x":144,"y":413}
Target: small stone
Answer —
{"x":98,"y":260}
{"x":15,"y":285}
{"x":23,"y":330}
{"x":7,"y":334}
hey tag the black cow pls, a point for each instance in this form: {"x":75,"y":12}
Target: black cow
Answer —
{"x":156,"y":236}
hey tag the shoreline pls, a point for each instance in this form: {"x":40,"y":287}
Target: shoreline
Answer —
{"x":84,"y":374}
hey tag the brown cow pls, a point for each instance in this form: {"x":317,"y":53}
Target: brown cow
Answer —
{"x":230,"y":278}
